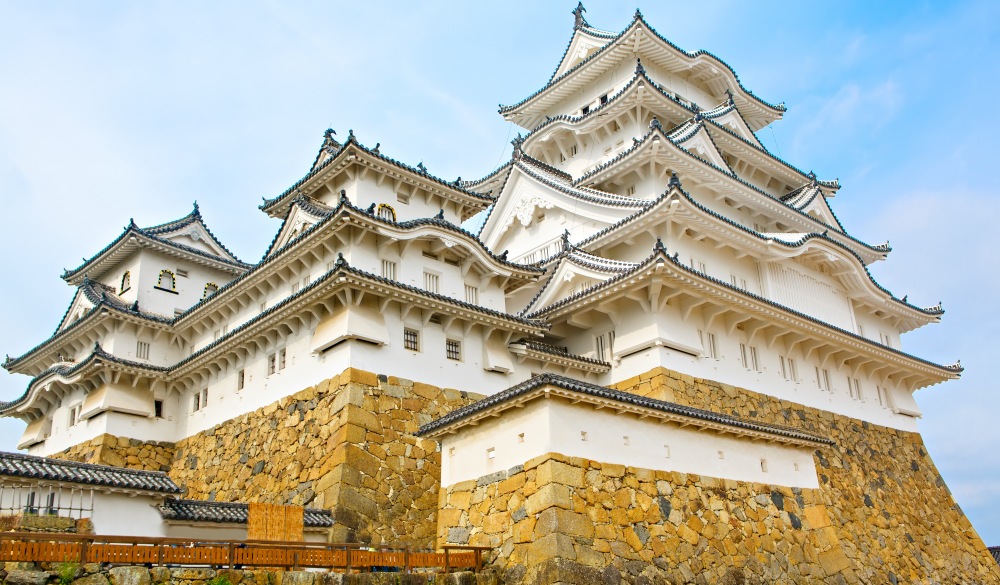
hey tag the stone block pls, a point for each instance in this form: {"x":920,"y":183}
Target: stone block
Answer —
{"x":553,"y":494}
{"x":553,"y":546}
{"x":188,"y":574}
{"x":130,"y":576}
{"x":294,"y":578}
{"x":556,"y":472}
{"x":834,"y":561}
{"x":22,"y":577}
{"x":559,"y":521}
{"x":159,"y":574}
{"x":816,"y":517}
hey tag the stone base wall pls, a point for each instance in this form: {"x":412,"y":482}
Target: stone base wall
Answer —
{"x":121,"y":452}
{"x":93,"y":574}
{"x":882,"y":513}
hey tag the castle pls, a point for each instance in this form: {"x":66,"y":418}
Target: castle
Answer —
{"x":661,"y":355}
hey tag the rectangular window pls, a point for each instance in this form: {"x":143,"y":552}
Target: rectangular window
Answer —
{"x":453,"y":349}
{"x":604,"y":99}
{"x":158,"y":408}
{"x":584,"y":110}
{"x":181,"y":272}
{"x":855,"y":386}
{"x":306,"y":280}
{"x":196,"y":402}
{"x":142,"y":350}
{"x":272,"y":364}
{"x":823,"y":379}
{"x":295,"y":287}
{"x":738,"y":281}
{"x":241,"y":379}
{"x":204,"y":397}
{"x":471,"y":295}
{"x":403,"y":198}
{"x":788,"y":369}
{"x":708,"y":344}
{"x":631,"y":190}
{"x":411,"y":339}
{"x":330,"y":265}
{"x":599,"y":347}
{"x":389,"y":269}
{"x":451,"y":261}
{"x":74,"y":414}
{"x":430,"y":282}
{"x":282,"y":359}
{"x":883,"y":399}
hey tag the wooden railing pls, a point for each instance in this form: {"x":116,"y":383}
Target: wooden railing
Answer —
{"x":232,"y":554}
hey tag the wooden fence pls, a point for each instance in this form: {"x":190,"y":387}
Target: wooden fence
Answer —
{"x":130,"y":550}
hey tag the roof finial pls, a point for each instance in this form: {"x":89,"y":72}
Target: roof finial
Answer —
{"x":458,"y":181}
{"x":131,"y":222}
{"x":421,"y":167}
{"x":516,"y":143}
{"x":440,"y":214}
{"x":637,"y":15}
{"x":905,"y":297}
{"x":350,"y":135}
{"x":729,"y":97}
{"x":135,"y":306}
{"x":674,"y":180}
{"x":639,"y":69}
{"x":343,"y":198}
{"x":654,"y":124}
{"x":196,"y":211}
{"x":329,"y":133}
{"x":503,"y":255}
{"x":812,"y":178}
{"x":97,"y":347}
{"x":565,"y":240}
{"x":371,"y":209}
{"x":376,"y":149}
{"x":659,"y":247}
{"x":578,"y":13}
{"x":697,"y":116}
{"x":340,"y":260}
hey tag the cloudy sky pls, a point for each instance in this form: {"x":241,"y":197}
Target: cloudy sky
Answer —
{"x":115,"y":110}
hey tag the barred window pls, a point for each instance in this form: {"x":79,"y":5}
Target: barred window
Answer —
{"x":282,"y":359}
{"x":389,"y":269}
{"x":210,"y":289}
{"x":411,"y":339}
{"x":386,"y":212}
{"x":126,"y":282}
{"x":453,"y":349}
{"x":430,"y":282}
{"x":142,"y":350}
{"x":471,"y":295}
{"x":272,"y":364}
{"x":241,"y":379}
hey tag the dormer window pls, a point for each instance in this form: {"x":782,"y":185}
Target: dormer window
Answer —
{"x":210,"y":289}
{"x":167,"y":281}
{"x":386,"y":212}
{"x":126,"y":282}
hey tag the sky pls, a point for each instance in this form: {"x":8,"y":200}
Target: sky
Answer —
{"x":118,"y":110}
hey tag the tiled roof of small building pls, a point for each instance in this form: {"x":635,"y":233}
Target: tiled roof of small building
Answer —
{"x":29,"y":466}
{"x":560,"y":351}
{"x":995,"y":551}
{"x":617,"y":395}
{"x":229,"y":513}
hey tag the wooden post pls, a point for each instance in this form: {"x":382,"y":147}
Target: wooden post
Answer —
{"x":479,"y":560}
{"x":446,"y":567}
{"x":406,"y":559}
{"x":347,"y":550}
{"x":159,"y":554}
{"x":232,"y":555}
{"x":295,"y":560}
{"x":83,"y":553}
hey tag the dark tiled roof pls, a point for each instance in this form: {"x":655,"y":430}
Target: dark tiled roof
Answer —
{"x":229,"y":513}
{"x":935,"y":310}
{"x":97,"y":355}
{"x":660,"y":255}
{"x":560,"y":351}
{"x":154,"y":234}
{"x":635,"y":22}
{"x":617,"y":395}
{"x":995,"y":551}
{"x":28,"y":466}
{"x":352,"y":140}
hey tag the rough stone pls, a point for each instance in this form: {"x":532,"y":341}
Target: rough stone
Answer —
{"x":130,"y":576}
{"x":20,"y":577}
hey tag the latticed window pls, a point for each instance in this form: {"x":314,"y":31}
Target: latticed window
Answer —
{"x":210,"y":289}
{"x":142,"y":350}
{"x":389,"y":269}
{"x":471,"y":294}
{"x":126,"y":281}
{"x":453,"y":349}
{"x":431,"y":282}
{"x":411,"y":339}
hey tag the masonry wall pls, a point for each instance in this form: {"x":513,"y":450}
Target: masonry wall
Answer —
{"x":345,"y":444}
{"x":882,"y":513}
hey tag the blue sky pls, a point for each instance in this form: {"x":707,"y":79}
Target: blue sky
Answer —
{"x":135,"y":109}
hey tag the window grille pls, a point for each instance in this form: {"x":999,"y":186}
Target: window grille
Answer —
{"x":272,"y":364}
{"x":142,"y":350}
{"x":431,"y":282}
{"x":241,"y":379}
{"x":386,"y":212}
{"x":282,"y":359}
{"x":389,"y":269}
{"x":411,"y":339}
{"x":471,"y":295}
{"x":453,"y":349}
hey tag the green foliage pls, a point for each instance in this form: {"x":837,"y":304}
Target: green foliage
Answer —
{"x":66,"y":572}
{"x":219,"y":580}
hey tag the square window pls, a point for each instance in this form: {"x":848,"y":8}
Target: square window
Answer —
{"x":142,"y":350}
{"x":471,"y":295}
{"x":389,"y":269}
{"x":411,"y":339}
{"x":453,"y":349}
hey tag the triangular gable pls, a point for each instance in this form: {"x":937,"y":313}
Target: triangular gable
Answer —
{"x":196,"y":235}
{"x":574,"y":273}
{"x":585,"y":42}
{"x":732,"y":120}
{"x":700,"y":144}
{"x":526,"y":193}
{"x":78,"y":307}
{"x":817,"y":207}
{"x":298,"y":221}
